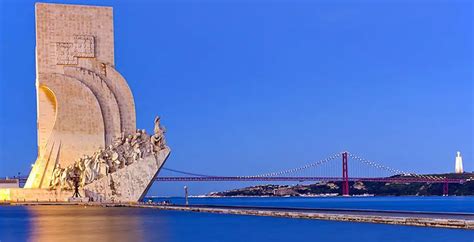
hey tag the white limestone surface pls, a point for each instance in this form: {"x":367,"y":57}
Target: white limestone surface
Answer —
{"x":33,"y":195}
{"x":129,"y":184}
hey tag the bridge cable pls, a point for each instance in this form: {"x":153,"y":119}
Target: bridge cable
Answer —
{"x":185,"y":172}
{"x":294,"y":170}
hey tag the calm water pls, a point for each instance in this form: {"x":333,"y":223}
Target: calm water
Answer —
{"x":438,"y":204}
{"x":64,"y":223}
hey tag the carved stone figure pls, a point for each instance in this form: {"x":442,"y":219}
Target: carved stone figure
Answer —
{"x":157,"y":139}
{"x":56,"y":179}
{"x":88,"y":172}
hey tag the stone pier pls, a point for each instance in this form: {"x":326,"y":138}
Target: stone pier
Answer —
{"x":454,"y":223}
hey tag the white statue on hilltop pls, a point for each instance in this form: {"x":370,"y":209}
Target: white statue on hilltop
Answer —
{"x":458,"y":168}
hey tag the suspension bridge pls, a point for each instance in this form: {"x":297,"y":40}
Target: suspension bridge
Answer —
{"x":334,"y":168}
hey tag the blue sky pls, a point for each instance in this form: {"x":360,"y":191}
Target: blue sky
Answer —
{"x":246,"y":87}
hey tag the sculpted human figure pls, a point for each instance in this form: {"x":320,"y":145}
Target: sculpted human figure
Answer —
{"x":137,"y":153}
{"x":143,"y":136}
{"x":136,"y":137}
{"x":103,"y":169}
{"x":94,"y":168}
{"x":70,"y":174}
{"x":103,"y":165}
{"x":79,"y":164}
{"x":56,"y":176}
{"x":142,"y":143}
{"x":135,"y":147}
{"x":65,"y":178}
{"x":113,"y":160}
{"x":62,"y":178}
{"x":88,"y":171}
{"x":158,"y":129}
{"x":108,"y":153}
{"x":158,"y":138}
{"x":148,"y":149}
{"x":156,"y":142}
{"x":127,"y":153}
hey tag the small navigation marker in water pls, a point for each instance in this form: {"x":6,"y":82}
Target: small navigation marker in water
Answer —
{"x":186,"y":195}
{"x":458,"y":168}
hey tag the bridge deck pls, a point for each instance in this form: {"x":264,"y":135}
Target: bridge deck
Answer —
{"x":306,"y":178}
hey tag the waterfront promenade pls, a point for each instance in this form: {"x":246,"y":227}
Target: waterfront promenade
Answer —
{"x":409,"y":218}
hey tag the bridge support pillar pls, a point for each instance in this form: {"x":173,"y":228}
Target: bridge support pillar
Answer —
{"x":345,"y":175}
{"x":445,"y":188}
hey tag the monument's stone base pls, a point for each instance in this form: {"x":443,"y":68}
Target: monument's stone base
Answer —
{"x":78,"y":199}
{"x":33,"y":195}
{"x":128,"y":184}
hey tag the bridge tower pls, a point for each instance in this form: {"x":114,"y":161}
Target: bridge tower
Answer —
{"x":345,"y":175}
{"x":445,"y":188}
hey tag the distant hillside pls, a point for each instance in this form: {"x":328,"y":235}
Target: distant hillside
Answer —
{"x":359,"y":188}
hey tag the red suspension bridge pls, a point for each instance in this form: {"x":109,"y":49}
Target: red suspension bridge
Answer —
{"x":325,"y":170}
{"x":334,"y":168}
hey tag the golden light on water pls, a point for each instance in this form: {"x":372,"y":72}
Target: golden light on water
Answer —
{"x":83,"y":223}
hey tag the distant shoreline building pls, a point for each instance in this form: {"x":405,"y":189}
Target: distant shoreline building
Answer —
{"x":458,"y":168}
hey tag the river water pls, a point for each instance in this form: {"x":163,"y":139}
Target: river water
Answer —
{"x":433,"y":204}
{"x":78,"y":223}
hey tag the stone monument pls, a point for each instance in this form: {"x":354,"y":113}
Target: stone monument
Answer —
{"x":458,"y":166}
{"x":86,"y":112}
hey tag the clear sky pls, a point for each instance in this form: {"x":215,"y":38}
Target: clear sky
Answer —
{"x":246,"y":87}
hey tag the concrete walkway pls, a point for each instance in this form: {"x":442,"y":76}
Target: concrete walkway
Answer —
{"x":425,"y":219}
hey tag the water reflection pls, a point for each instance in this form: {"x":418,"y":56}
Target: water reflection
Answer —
{"x":74,"y":223}
{"x":81,"y":223}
